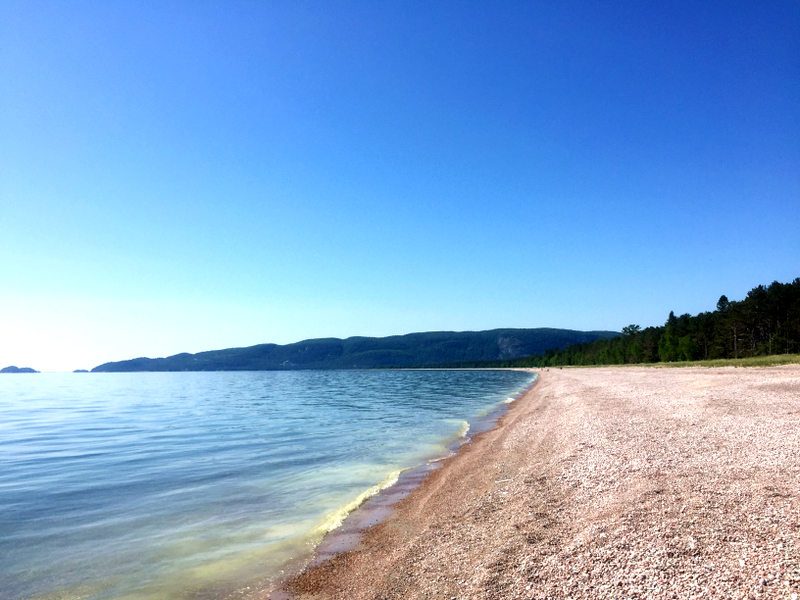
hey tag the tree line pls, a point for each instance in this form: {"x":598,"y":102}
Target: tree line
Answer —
{"x":766,"y":322}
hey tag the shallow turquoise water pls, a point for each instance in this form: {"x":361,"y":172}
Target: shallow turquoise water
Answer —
{"x":178,"y":485}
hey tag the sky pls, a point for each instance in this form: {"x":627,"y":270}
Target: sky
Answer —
{"x":183,"y":176}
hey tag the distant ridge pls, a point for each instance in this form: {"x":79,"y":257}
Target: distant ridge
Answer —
{"x":413,"y":349}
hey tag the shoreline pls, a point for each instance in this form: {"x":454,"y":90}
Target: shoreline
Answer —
{"x":378,"y":507}
{"x":595,"y":483}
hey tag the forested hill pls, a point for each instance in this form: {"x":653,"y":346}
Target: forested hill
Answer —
{"x":766,"y":322}
{"x":414,"y":349}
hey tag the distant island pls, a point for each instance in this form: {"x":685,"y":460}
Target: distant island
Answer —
{"x":411,"y":350}
{"x":13,"y":369}
{"x":80,"y":371}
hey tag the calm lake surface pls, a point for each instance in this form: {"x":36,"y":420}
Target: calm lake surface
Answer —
{"x":153,"y":486}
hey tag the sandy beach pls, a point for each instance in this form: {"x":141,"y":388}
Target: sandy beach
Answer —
{"x":601,"y":483}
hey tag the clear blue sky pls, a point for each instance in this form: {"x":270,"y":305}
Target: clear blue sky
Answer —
{"x":187,"y":176}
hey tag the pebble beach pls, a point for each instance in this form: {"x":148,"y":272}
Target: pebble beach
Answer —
{"x":632,"y":482}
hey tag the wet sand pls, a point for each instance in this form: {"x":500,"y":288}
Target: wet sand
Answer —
{"x":601,"y":483}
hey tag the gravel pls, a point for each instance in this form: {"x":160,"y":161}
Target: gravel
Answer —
{"x":632,"y":482}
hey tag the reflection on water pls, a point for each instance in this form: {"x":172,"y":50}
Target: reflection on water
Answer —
{"x":159,"y":485}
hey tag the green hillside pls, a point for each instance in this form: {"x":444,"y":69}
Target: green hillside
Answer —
{"x":414,"y":349}
{"x":765,"y":323}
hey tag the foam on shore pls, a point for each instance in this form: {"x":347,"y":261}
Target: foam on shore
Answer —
{"x":336,"y":518}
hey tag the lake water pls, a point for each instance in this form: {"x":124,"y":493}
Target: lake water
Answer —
{"x":159,"y":486}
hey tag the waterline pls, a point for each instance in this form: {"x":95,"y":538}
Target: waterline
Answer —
{"x":152,"y":486}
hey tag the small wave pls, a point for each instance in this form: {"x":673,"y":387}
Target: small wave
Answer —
{"x":336,"y":518}
{"x":509,"y":400}
{"x":463,"y":430}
